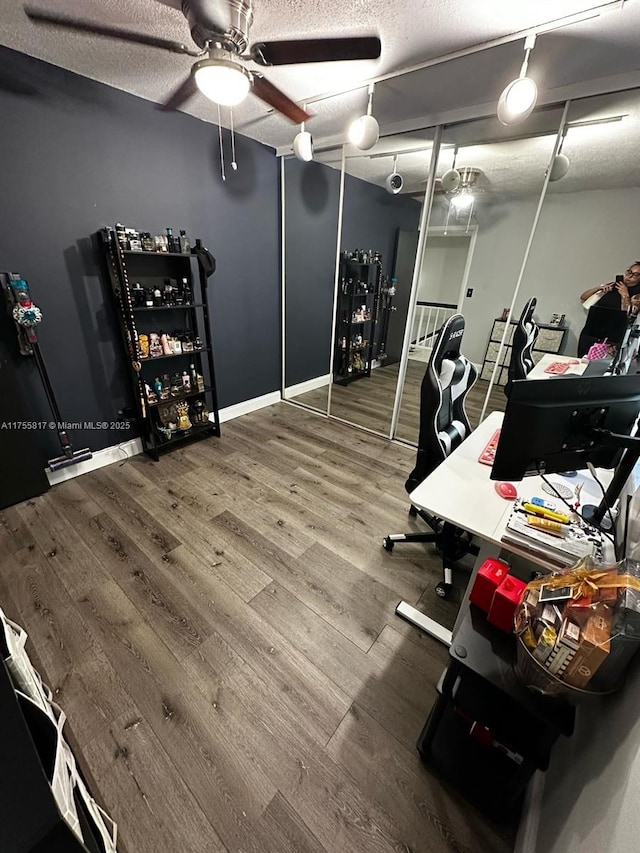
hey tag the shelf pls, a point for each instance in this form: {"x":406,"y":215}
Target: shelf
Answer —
{"x":358,"y":322}
{"x":169,"y":307}
{"x":157,"y":254}
{"x":183,"y":433}
{"x":154,"y":358}
{"x":179,"y":397}
{"x":358,"y":348}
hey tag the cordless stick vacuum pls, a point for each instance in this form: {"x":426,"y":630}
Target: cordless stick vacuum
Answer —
{"x":27,"y":316}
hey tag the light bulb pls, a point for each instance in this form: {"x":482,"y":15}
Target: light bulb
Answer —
{"x":517,"y":100}
{"x":364,"y":132}
{"x":463,"y":201}
{"x":223,"y":82}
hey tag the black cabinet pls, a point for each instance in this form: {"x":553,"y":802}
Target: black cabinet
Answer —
{"x":356,"y":311}
{"x":487,"y":733}
{"x":162,"y":304}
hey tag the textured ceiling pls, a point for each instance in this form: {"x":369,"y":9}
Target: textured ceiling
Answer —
{"x":411,"y":33}
{"x":513,"y":161}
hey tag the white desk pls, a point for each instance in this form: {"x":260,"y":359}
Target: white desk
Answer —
{"x":576,"y":366}
{"x":460,"y":491}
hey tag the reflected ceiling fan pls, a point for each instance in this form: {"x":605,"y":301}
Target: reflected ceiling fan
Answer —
{"x":220,"y":29}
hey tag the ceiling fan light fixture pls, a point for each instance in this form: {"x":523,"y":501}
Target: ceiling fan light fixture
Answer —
{"x":463,"y":200}
{"x":222,"y":81}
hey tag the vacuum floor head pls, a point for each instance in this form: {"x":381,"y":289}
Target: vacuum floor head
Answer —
{"x":64,"y":461}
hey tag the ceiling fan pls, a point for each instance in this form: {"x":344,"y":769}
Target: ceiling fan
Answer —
{"x":220,"y":29}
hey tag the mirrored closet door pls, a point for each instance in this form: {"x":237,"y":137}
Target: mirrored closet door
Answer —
{"x":488,"y":184}
{"x":588,"y":229}
{"x":311,"y":199}
{"x":383,"y":195}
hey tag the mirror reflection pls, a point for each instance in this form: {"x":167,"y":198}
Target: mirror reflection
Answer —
{"x":311,"y":207}
{"x":383,"y":194}
{"x":488,"y":184}
{"x":582,"y":266}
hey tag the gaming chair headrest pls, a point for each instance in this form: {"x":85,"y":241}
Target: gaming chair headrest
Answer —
{"x":527,"y":311}
{"x":449,"y":340}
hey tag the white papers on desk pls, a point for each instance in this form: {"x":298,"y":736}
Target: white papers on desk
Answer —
{"x":578,"y":541}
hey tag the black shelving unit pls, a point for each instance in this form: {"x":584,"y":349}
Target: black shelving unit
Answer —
{"x":153,"y":269}
{"x":358,"y":302}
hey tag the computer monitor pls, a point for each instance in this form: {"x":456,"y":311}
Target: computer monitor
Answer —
{"x":561,"y":424}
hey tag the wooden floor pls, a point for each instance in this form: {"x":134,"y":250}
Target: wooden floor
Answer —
{"x":369,"y":401}
{"x":219,"y":628}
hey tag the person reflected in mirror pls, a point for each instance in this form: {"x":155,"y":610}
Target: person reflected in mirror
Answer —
{"x":617,"y":295}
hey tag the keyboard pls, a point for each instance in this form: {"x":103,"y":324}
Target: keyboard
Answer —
{"x":489,"y":453}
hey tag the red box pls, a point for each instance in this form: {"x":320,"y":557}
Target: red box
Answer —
{"x":505,"y":600}
{"x":490,"y":575}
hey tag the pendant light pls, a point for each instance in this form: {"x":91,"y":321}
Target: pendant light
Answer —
{"x":519,"y":98}
{"x":365,"y":131}
{"x":303,"y":143}
{"x":561,"y":162}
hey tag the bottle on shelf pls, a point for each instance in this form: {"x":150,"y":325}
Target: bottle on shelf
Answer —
{"x":171,"y":243}
{"x":185,"y":245}
{"x":137,"y":295}
{"x":186,"y":291}
{"x":193,"y":376}
{"x":186,"y":382}
{"x":167,"y":349}
{"x":147,"y":242}
{"x":157,"y":297}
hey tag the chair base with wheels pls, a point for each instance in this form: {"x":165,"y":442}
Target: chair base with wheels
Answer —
{"x":451,"y":542}
{"x":443,"y":426}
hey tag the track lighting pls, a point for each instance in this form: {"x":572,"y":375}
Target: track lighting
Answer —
{"x":303,"y":145}
{"x":519,"y":98}
{"x":560,"y":167}
{"x":394,"y":181}
{"x":365,"y":131}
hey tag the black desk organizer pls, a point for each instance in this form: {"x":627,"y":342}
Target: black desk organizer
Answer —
{"x":487,"y":733}
{"x":154,"y":268}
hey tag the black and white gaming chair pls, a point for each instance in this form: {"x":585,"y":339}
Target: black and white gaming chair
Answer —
{"x":524,"y":338}
{"x":443,"y":426}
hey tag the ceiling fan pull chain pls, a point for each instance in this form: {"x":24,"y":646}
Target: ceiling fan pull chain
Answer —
{"x":234,"y":165}
{"x":224,"y":177}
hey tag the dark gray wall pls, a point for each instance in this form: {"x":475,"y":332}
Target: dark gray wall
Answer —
{"x":312,"y":193}
{"x":371,"y":220}
{"x":77,"y":155}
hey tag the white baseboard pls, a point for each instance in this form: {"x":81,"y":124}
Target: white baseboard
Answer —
{"x":244,"y":408}
{"x":116,"y":453}
{"x":309,"y":385}
{"x":120,"y":452}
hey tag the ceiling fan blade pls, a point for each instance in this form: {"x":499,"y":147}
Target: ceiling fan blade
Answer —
{"x":315,"y":50}
{"x":277,"y":99}
{"x":40,"y":16}
{"x":181,"y":95}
